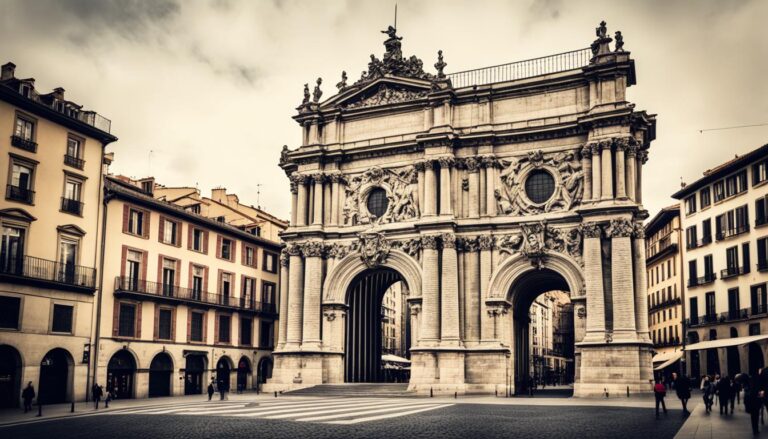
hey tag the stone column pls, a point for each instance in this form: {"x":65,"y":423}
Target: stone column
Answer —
{"x":335,"y":198}
{"x":294,"y":198}
{"x":295,"y":297}
{"x":593,"y":280}
{"x":606,"y":161}
{"x":472,"y":296}
{"x":445,"y":185}
{"x":623,"y":285}
{"x":420,"y":172}
{"x":449,"y":297}
{"x":313,"y":285}
{"x":632,"y":171}
{"x":318,"y":199}
{"x":327,"y":200}
{"x":586,"y":165}
{"x":415,"y":308}
{"x":301,"y":200}
{"x":430,"y":189}
{"x":596,"y":171}
{"x":485,"y":244}
{"x":642,"y":158}
{"x":474,"y":186}
{"x":430,"y":293}
{"x":283,"y":329}
{"x":641,"y":303}
{"x":341,"y":197}
{"x":489,"y":163}
{"x":621,"y":182}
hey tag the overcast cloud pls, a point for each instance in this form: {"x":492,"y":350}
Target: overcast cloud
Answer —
{"x":202,"y":92}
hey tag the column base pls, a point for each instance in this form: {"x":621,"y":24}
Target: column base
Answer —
{"x":438,"y":371}
{"x":614,"y":368}
{"x":299,"y":369}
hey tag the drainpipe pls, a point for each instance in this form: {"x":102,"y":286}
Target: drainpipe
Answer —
{"x":97,"y":326}
{"x":684,"y":335}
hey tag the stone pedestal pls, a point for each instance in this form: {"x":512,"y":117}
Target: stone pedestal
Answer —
{"x":614,"y":368}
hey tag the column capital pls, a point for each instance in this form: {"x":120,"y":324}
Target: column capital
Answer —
{"x":336,"y":177}
{"x":586,"y":151}
{"x":595,"y":148}
{"x":620,"y":228}
{"x":312,"y":249}
{"x":429,"y":242}
{"x":591,"y":230}
{"x":446,"y":161}
{"x":448,"y":240}
{"x":466,"y":244}
{"x":318,"y":177}
{"x":622,"y":143}
{"x":642,"y":155}
{"x":284,"y":257}
{"x":488,"y":161}
{"x":638,"y":230}
{"x":605,"y":144}
{"x":486,"y":242}
{"x":293,"y":249}
{"x":471,"y":164}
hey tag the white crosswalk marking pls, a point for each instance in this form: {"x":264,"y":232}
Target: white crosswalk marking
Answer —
{"x":332,"y":411}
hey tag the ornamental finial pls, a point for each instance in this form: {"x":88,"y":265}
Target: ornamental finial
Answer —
{"x":440,"y":65}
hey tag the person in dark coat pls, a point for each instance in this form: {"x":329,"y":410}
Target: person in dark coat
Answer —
{"x":28,"y":394}
{"x":683,"y":390}
{"x":724,"y":389}
{"x":753,"y":404}
{"x":660,"y":391}
{"x":211,"y":390}
{"x":96,"y":394}
{"x":708,"y":393}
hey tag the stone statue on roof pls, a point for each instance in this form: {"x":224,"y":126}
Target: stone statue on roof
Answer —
{"x":392,"y":44}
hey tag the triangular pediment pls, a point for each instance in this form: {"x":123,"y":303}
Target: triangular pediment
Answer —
{"x":383,"y":91}
{"x":71,"y":229}
{"x":17,"y":214}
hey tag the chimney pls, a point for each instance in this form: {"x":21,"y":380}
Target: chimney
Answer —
{"x":148,"y":185}
{"x":232,"y":200}
{"x":58,"y":93}
{"x":8,"y":71}
{"x":219,"y":194}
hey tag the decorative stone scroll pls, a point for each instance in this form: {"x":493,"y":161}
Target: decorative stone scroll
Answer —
{"x":412,"y":246}
{"x":401,"y":186}
{"x":536,"y":240}
{"x":620,"y":228}
{"x":566,"y":169}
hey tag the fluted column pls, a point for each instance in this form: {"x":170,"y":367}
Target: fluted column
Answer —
{"x":430,"y":302}
{"x":586,"y":165}
{"x":301,"y":200}
{"x":485,"y":245}
{"x":622,"y":282}
{"x":295,"y":297}
{"x":335,"y":198}
{"x":606,"y":161}
{"x":445,"y":185}
{"x":430,"y":189}
{"x":593,"y":280}
{"x":318,"y":200}
{"x":449,"y":297}
{"x":420,"y":176}
{"x":641,"y":303}
{"x":312,"y":294}
{"x":621,"y":182}
{"x":642,"y":158}
{"x":282,"y":332}
{"x":472,"y":295}
{"x":294,"y":198}
{"x":474,"y":186}
{"x":632,"y":172}
{"x":597,"y":178}
{"x":489,"y":163}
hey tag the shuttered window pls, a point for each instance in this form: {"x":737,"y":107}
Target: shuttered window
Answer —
{"x":62,"y":318}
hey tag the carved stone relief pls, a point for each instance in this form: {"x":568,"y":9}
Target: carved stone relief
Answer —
{"x":387,"y":94}
{"x":536,"y":240}
{"x":402,"y":190}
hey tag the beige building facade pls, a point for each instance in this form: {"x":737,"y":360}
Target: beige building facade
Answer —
{"x":724,"y":218}
{"x":50,"y":215}
{"x":479,"y":190}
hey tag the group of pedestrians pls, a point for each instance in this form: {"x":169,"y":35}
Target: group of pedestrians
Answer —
{"x":212,"y":387}
{"x":726,"y":389}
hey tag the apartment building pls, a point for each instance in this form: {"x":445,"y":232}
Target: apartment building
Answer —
{"x":664,"y":265}
{"x":551,"y":338}
{"x":188,"y":299}
{"x":726,"y":256}
{"x":50,"y":213}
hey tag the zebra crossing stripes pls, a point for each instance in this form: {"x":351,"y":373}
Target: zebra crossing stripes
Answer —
{"x":342,"y":411}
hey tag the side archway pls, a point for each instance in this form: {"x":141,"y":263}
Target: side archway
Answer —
{"x":160,"y":375}
{"x":121,"y":374}
{"x":10,"y":374}
{"x":514,"y":267}
{"x":56,"y":377}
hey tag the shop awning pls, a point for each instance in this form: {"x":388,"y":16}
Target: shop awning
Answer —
{"x":725,"y":342}
{"x":664,"y":356}
{"x":395,"y":359}
{"x":669,"y":361}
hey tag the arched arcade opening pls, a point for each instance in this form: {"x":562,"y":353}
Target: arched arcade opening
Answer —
{"x":10,"y":377}
{"x":56,"y":377}
{"x":160,"y":375}
{"x":121,"y":375}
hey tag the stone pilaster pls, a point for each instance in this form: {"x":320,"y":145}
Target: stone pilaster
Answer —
{"x":430,"y":189}
{"x":295,"y":297}
{"x":586,"y":165}
{"x":620,"y":232}
{"x":638,"y":264}
{"x":301,"y":200}
{"x":606,"y":161}
{"x":415,"y":314}
{"x":621,"y":146}
{"x":472,"y":294}
{"x":421,"y":176}
{"x":445,"y":185}
{"x":485,"y":246}
{"x":335,"y":178}
{"x":489,"y":163}
{"x":430,"y":302}
{"x":642,"y":158}
{"x":593,"y":279}
{"x":318,"y":199}
{"x":294,"y":198}
{"x":283,"y":328}
{"x":597,"y":178}
{"x":474,"y":186}
{"x":312,"y":295}
{"x":632,"y":171}
{"x":449,"y":297}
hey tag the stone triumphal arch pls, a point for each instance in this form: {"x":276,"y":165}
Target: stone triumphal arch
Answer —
{"x":477,"y":190}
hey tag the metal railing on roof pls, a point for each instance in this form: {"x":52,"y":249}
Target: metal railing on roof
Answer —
{"x":522,"y":69}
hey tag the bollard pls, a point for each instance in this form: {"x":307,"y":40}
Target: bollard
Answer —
{"x":627,"y":391}
{"x":275,"y":393}
{"x":72,"y":409}
{"x":39,"y":409}
{"x":496,"y":392}
{"x":455,"y":395}
{"x":106,"y":403}
{"x":430,"y":392}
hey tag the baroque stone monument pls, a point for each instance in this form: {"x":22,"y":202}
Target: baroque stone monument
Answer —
{"x":478,"y":190}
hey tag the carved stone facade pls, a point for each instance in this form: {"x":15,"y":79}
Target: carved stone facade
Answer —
{"x":477,"y":210}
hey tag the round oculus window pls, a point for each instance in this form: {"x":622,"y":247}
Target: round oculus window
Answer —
{"x":539,"y":186}
{"x":377,"y":202}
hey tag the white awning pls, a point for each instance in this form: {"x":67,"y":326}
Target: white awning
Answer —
{"x":725,"y":342}
{"x":395,"y":359}
{"x":671,"y":360}
{"x":664,"y":356}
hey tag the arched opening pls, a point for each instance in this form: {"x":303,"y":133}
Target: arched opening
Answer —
{"x":194,"y":369}
{"x":56,"y":374}
{"x":10,"y":377}
{"x":243,"y":372}
{"x":376,"y":328}
{"x":121,"y":375}
{"x":160,"y":375}
{"x":264,"y":370}
{"x":223,"y":373}
{"x":713,"y":357}
{"x":756,"y":360}
{"x":734,"y":360}
{"x":695,"y":366}
{"x":543,"y":331}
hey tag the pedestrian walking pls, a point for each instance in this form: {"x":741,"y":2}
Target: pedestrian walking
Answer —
{"x":723,"y":389}
{"x":660,"y":391}
{"x":753,"y":404}
{"x":708,"y":393}
{"x":28,"y":394}
{"x":96,"y":394}
{"x":211,"y":390}
{"x":683,"y":390}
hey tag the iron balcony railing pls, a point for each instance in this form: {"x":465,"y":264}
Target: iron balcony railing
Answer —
{"x":17,"y":193}
{"x":71,"y":206}
{"x":733,"y":271}
{"x":560,"y":62}
{"x":659,"y":246}
{"x":698,"y":243}
{"x":664,"y":343}
{"x":728,"y":316}
{"x":25,"y":144}
{"x":666,"y":303}
{"x":88,"y":117}
{"x":133,"y":285}
{"x":760,"y":220}
{"x":727,"y":233}
{"x":762,"y":265}
{"x":73,"y":161}
{"x":703,"y":280}
{"x":30,"y":267}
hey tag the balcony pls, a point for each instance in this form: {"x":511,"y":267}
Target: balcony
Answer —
{"x":729,"y":233}
{"x":762,"y":265}
{"x":22,"y":143}
{"x":761,"y":220}
{"x":74,"y":162}
{"x":669,"y":302}
{"x":142,"y":289}
{"x":706,"y":279}
{"x":733,"y":271}
{"x":757,"y":311}
{"x":45,"y":273}
{"x":71,"y":206}
{"x":16,"y":193}
{"x":671,"y":342}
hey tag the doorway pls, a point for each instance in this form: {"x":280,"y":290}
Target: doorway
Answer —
{"x":10,"y":377}
{"x":223,"y":373}
{"x":194,"y":370}
{"x":55,"y":377}
{"x":160,"y":375}
{"x":121,"y":373}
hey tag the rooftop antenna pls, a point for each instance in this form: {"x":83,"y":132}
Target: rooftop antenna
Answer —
{"x":149,"y":161}
{"x":258,"y":195}
{"x":395,"y":26}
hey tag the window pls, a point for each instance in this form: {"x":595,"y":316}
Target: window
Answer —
{"x":710,"y":304}
{"x":226,"y":249}
{"x":68,"y":252}
{"x":732,"y":260}
{"x":198,"y":240}
{"x":61,"y":320}
{"x":719,"y":188}
{"x":170,"y":232}
{"x":70,"y":202}
{"x":224,"y":328}
{"x":690,"y":205}
{"x":249,"y":256}
{"x":12,"y":250}
{"x":693,"y":309}
{"x":733,"y":303}
{"x":165,"y":324}
{"x":736,"y":184}
{"x":198,"y":278}
{"x":225,"y":288}
{"x":25,"y":129}
{"x":196,"y":326}
{"x":758,"y":299}
{"x":761,"y":216}
{"x":692,"y":272}
{"x":246,"y":331}
{"x":136,"y":221}
{"x":745,"y":257}
{"x":705,"y":198}
{"x":759,"y":172}
{"x":709,"y":268}
{"x":539,"y":186}
{"x":195,"y":208}
{"x":690,"y":237}
{"x":267,"y":292}
{"x":127,"y":320}
{"x":74,"y":155}
{"x":762,"y":253}
{"x":265,"y":335}
{"x":706,"y":231}
{"x":10,"y":311}
{"x":133,"y":264}
{"x":270,"y":262}
{"x":249,"y":291}
{"x":20,"y":186}
{"x":377,"y":202}
{"x":169,"y":277}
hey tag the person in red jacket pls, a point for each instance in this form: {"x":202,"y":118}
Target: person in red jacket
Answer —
{"x":660,"y":391}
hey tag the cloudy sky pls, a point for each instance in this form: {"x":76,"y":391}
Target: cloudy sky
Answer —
{"x":202,"y":92}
